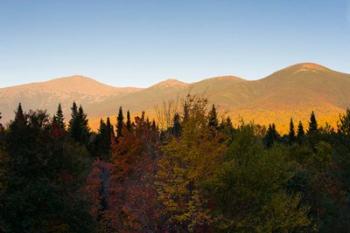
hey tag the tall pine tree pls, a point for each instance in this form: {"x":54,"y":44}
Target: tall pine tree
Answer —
{"x":20,"y":117}
{"x":176,"y":130}
{"x":291,"y":134}
{"x":301,"y":132}
{"x":312,"y":124}
{"x":128,"y":121}
{"x":58,"y":119}
{"x":213,"y":118}
{"x":271,"y":136}
{"x":120,"y":122}
{"x":78,"y":125}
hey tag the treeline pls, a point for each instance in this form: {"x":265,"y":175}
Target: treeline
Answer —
{"x":202,"y":174}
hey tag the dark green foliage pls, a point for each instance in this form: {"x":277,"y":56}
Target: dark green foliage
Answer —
{"x":291,"y":134}
{"x":58,"y":119}
{"x":213,"y":118}
{"x":176,"y":130}
{"x":20,"y":119}
{"x":120,"y":123}
{"x":312,"y":124}
{"x":301,"y":132}
{"x":128,"y":121}
{"x":43,"y":179}
{"x":104,"y":140}
{"x":250,"y":189}
{"x":271,"y":136}
{"x":78,"y":125}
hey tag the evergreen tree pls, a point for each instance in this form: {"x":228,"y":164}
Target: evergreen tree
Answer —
{"x":291,"y":134}
{"x":1,"y":126}
{"x":229,"y":123}
{"x":120,"y":122}
{"x":20,"y":117}
{"x":176,"y":125}
{"x":78,"y":125}
{"x":312,"y":124}
{"x":301,"y":132}
{"x":213,"y":118}
{"x":271,"y":136}
{"x":154,"y":125}
{"x":128,"y":121}
{"x":84,"y":124}
{"x":38,"y":196}
{"x":58,"y":119}
{"x":103,"y":141}
{"x":110,"y":130}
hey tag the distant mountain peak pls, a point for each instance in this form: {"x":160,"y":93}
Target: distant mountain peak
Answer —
{"x":309,"y":66}
{"x":170,"y":83}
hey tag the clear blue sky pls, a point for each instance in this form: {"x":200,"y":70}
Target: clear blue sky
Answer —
{"x":138,"y":43}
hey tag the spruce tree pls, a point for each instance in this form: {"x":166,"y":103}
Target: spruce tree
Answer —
{"x":103,"y":141}
{"x":58,"y":119}
{"x":301,"y":132}
{"x":38,"y":196}
{"x":19,"y":116}
{"x":78,"y":125}
{"x":128,"y":121}
{"x":176,"y":125}
{"x":312,"y":124}
{"x":229,"y":123}
{"x":84,"y":124}
{"x":271,"y":136}
{"x":154,"y":125}
{"x":110,"y":129}
{"x":291,"y":134}
{"x":1,"y":127}
{"x":213,"y":118}
{"x":120,"y":122}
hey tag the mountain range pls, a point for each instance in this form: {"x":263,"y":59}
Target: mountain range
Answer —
{"x":292,"y":92}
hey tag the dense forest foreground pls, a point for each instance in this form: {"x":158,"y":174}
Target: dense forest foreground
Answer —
{"x":199,"y":174}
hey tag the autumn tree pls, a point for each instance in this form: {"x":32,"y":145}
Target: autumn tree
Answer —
{"x":187,"y":163}
{"x":132,"y":198}
{"x":344,"y":123}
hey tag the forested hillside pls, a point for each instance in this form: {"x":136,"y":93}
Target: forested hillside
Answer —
{"x":202,"y":173}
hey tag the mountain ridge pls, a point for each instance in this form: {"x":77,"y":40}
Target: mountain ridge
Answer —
{"x":293,"y":91}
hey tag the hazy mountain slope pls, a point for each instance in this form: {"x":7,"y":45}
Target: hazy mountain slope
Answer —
{"x":291,"y":92}
{"x":297,"y":90}
{"x":47,"y":95}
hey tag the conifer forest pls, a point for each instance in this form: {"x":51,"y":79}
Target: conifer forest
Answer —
{"x":200,"y":173}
